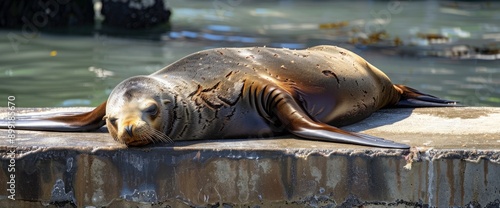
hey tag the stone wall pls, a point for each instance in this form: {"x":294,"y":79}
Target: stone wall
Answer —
{"x":454,"y":161}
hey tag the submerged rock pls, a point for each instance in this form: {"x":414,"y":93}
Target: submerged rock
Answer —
{"x":134,"y":13}
{"x":37,"y":14}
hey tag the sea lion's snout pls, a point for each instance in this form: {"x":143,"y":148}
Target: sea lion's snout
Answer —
{"x":128,"y":129}
{"x":137,"y":123}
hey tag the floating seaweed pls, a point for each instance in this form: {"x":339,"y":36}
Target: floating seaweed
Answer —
{"x":334,"y":25}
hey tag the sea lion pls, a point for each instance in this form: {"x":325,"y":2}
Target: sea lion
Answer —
{"x":250,"y":92}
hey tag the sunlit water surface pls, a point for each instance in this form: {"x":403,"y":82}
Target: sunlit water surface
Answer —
{"x":47,"y":69}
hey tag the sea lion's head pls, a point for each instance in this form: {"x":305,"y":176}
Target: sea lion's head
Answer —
{"x":135,"y":111}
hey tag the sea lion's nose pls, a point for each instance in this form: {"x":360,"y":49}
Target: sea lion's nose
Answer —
{"x":128,"y":129}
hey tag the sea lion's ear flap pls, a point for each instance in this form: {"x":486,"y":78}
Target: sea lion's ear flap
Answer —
{"x":166,"y":101}
{"x":105,"y":117}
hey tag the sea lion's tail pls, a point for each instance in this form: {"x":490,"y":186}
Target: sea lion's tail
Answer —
{"x":89,"y":121}
{"x":413,"y":98}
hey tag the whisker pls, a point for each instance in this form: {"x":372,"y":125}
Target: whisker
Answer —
{"x":163,"y":137}
{"x":149,"y":134}
{"x":158,"y":136}
{"x":145,"y":136}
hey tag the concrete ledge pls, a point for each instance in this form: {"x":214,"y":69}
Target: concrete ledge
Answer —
{"x":455,"y":161}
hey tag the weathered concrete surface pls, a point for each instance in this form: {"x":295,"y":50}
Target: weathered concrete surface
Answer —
{"x":455,"y":161}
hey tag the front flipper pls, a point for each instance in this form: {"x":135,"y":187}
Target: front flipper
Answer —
{"x":296,"y":121}
{"x":332,"y":134}
{"x":89,"y":121}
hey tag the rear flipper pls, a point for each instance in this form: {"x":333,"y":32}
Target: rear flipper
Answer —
{"x":89,"y":121}
{"x":413,"y":98}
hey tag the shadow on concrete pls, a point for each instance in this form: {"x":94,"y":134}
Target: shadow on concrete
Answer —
{"x":382,"y":117}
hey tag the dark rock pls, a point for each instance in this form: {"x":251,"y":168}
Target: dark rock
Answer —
{"x":45,"y":13}
{"x":134,"y":13}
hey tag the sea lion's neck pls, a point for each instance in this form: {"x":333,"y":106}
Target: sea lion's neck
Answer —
{"x":181,"y":111}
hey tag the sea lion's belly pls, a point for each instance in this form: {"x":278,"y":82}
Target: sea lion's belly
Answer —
{"x":342,"y":99}
{"x":333,"y":85}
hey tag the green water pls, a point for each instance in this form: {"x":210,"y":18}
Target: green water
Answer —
{"x":43,"y":69}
